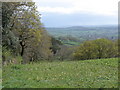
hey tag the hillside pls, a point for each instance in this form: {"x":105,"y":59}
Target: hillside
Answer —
{"x":36,"y":56}
{"x":67,"y":74}
{"x":80,"y":34}
{"x":86,"y":32}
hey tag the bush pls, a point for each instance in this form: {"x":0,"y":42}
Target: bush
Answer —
{"x":9,"y":58}
{"x":6,"y":54}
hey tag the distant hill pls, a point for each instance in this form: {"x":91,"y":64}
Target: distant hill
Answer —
{"x":86,"y":32}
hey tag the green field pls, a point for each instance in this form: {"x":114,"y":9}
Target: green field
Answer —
{"x":97,"y":73}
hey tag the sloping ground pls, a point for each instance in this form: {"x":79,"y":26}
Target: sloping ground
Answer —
{"x":101,"y":73}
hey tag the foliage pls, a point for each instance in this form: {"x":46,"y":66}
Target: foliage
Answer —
{"x":55,"y":45}
{"x":100,"y":48}
{"x":102,"y":73}
{"x":23,"y":33}
{"x":43,"y":51}
{"x":65,"y":53}
{"x":8,"y":57}
{"x":6,"y":54}
{"x":117,"y":47}
{"x":8,"y":37}
{"x":83,"y":33}
{"x":105,"y":48}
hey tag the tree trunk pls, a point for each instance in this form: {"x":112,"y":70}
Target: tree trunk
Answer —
{"x":22,"y":48}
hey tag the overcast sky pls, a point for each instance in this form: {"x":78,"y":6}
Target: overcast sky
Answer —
{"x":59,"y":13}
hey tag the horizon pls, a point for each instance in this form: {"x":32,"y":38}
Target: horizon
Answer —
{"x":114,"y":25}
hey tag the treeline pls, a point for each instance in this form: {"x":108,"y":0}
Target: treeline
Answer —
{"x":24,"y":39}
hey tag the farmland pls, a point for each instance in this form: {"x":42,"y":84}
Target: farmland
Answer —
{"x":99,"y":73}
{"x":79,"y":34}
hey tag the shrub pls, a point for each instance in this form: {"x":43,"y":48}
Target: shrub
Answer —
{"x":9,"y":58}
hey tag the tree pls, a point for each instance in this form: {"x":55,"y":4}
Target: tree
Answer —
{"x":23,"y":32}
{"x":65,"y":52}
{"x":105,"y":48}
{"x":8,"y":37}
{"x":9,"y":40}
{"x":87,"y":50}
{"x":55,"y":45}
{"x":100,"y":48}
{"x":43,"y":51}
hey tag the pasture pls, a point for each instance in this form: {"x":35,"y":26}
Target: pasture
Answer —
{"x":99,"y":73}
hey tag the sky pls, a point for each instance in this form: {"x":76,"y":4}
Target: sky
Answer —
{"x":62,"y":13}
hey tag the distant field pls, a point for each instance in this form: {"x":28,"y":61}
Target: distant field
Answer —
{"x":67,"y":74}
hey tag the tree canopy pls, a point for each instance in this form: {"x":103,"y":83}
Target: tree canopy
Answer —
{"x":23,"y":31}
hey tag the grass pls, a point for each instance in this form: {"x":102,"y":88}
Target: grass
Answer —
{"x":101,"y":73}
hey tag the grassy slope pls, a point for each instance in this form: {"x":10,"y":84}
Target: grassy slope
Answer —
{"x":70,"y":74}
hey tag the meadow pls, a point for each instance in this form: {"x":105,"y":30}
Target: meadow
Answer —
{"x":99,"y":73}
